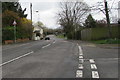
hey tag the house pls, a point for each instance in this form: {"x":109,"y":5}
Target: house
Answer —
{"x":37,"y":33}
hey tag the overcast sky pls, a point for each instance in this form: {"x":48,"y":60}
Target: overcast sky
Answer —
{"x":48,"y":9}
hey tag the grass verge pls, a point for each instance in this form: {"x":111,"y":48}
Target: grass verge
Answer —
{"x":107,"y":41}
{"x":61,"y":36}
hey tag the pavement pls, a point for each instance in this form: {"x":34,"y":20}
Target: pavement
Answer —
{"x":59,"y":58}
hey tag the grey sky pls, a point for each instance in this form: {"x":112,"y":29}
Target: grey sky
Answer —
{"x":48,"y":9}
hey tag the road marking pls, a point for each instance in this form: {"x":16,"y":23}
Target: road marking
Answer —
{"x":93,"y":66}
{"x":81,"y":60}
{"x":80,"y":57}
{"x":79,"y":73}
{"x":77,"y":44}
{"x":92,"y":61}
{"x":53,"y":42}
{"x":95,"y":74}
{"x":80,"y":50}
{"x":46,"y":46}
{"x":80,"y":66}
{"x":16,"y":58}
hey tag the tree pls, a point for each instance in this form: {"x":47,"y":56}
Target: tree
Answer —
{"x":7,"y":20}
{"x":39,"y":24}
{"x":101,"y":23}
{"x":90,"y":22}
{"x":13,"y":11}
{"x":71,"y":15}
{"x":15,"y":7}
{"x":27,"y":28}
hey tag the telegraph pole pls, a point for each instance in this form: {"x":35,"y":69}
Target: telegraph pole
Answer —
{"x":31,"y":10}
{"x":31,"y":17}
{"x":108,"y":20}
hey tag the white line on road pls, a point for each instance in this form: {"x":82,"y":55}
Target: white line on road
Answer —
{"x":80,"y":57}
{"x":53,"y":42}
{"x":77,"y":44}
{"x":95,"y":74}
{"x":93,"y":66}
{"x":46,"y":46}
{"x":81,"y":60}
{"x":16,"y":58}
{"x":92,"y":61}
{"x":80,"y":66}
{"x":79,"y":73}
{"x":80,"y":50}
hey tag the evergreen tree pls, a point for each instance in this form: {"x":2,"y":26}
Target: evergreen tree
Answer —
{"x":15,"y":7}
{"x":90,"y":22}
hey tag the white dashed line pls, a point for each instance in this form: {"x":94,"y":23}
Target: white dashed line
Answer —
{"x":79,"y":73}
{"x":80,"y":57}
{"x":95,"y":74}
{"x":54,"y":42}
{"x":16,"y":58}
{"x":93,"y":66}
{"x":92,"y":61}
{"x":81,"y":60}
{"x":80,"y":66}
{"x":80,"y":50}
{"x":46,"y":46}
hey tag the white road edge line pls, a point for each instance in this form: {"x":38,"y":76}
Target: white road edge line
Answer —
{"x":80,"y":66}
{"x":92,"y":61}
{"x":79,"y":73}
{"x":95,"y":74}
{"x":46,"y":46}
{"x":93,"y":66}
{"x":16,"y":58}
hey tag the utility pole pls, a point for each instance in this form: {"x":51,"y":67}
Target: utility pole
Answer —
{"x":108,"y":20}
{"x":31,"y":10}
{"x":31,"y":17}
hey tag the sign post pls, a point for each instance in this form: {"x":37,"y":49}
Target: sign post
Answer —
{"x":14,"y":23}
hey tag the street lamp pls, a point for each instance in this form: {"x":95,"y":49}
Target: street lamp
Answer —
{"x":38,"y":14}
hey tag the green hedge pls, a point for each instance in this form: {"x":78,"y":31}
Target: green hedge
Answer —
{"x":8,"y":33}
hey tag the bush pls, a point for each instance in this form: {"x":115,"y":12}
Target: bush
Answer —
{"x":8,"y":33}
{"x":8,"y":17}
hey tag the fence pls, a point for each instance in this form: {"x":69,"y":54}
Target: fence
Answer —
{"x":99,"y":33}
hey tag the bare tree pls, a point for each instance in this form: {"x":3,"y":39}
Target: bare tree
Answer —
{"x":71,"y":15}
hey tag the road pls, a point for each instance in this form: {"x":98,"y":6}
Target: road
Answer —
{"x":58,"y":58}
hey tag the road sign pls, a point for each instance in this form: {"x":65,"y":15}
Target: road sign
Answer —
{"x":14,"y":23}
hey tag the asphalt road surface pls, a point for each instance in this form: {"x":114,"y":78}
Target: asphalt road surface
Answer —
{"x":58,"y":58}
